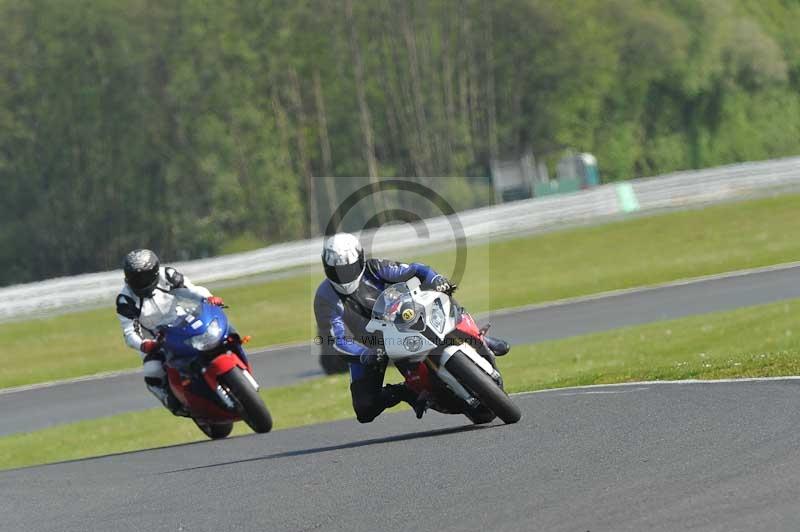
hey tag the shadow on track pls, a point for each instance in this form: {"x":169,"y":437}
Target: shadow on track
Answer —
{"x":309,"y":374}
{"x":350,"y":445}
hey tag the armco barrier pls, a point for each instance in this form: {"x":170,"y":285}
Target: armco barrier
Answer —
{"x":668,"y":191}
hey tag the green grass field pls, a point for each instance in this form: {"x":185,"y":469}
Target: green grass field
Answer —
{"x":750,"y":342}
{"x":574,"y":262}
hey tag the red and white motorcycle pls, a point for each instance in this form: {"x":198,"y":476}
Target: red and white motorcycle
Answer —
{"x":441,"y":353}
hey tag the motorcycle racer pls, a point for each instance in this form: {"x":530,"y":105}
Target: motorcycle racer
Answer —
{"x":344,"y":302}
{"x":142,"y":305}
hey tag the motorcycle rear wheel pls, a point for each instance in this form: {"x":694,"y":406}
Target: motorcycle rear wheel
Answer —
{"x":254,"y":411}
{"x":215,"y":431}
{"x":483,"y":387}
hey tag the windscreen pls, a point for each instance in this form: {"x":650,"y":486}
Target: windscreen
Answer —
{"x":181,"y":307}
{"x":397,"y":305}
{"x":172,"y":311}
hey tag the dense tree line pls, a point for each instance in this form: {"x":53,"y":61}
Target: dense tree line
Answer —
{"x":187,"y":125}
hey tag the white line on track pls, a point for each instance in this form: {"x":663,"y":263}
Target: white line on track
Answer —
{"x":489,"y":314}
{"x":112,"y":374}
{"x":643,"y":385}
{"x":639,"y":289}
{"x":604,"y":392}
{"x":50,"y":384}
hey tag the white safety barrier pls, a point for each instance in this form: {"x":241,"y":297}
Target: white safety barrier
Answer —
{"x":669,"y":191}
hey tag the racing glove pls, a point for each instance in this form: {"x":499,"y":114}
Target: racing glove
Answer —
{"x":443,"y":284}
{"x":149,"y":346}
{"x":216,"y":301}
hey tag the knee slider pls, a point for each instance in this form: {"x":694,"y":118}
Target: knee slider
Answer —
{"x":157,"y":355}
{"x":152,"y":381}
{"x":366,"y":411}
{"x":154,"y":369}
{"x":365,"y":418}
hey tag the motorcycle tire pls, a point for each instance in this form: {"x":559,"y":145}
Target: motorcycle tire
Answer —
{"x":254,"y":411}
{"x":480,"y":415}
{"x":215,"y":431}
{"x":483,"y":387}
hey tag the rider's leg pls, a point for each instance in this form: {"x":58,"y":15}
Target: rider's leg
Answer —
{"x":365,"y":391}
{"x":370,"y":398}
{"x":394,"y":393}
{"x":155,"y":378}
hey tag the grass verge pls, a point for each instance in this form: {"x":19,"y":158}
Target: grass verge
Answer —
{"x":575,"y":262}
{"x":751,"y":342}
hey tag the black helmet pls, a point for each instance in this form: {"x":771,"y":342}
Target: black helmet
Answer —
{"x":141,"y":271}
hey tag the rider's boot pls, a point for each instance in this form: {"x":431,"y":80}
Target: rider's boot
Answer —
{"x":499,"y":347}
{"x":394,"y":393}
{"x":420,"y":404}
{"x":163,"y":393}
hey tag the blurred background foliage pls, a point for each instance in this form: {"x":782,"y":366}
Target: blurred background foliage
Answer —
{"x":200,"y":127}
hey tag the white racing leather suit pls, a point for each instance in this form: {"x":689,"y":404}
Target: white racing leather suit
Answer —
{"x":141,"y":316}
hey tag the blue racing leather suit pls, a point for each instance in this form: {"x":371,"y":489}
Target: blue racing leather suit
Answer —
{"x":341,"y":322}
{"x":337,"y":314}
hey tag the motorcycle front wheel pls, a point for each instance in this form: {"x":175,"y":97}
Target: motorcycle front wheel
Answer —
{"x":253,"y":410}
{"x":483,"y":387}
{"x":215,"y":431}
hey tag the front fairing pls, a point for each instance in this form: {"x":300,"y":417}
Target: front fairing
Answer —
{"x":412,"y":321}
{"x":204,"y":324}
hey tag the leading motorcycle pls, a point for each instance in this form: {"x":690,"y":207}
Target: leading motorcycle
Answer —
{"x":440,"y":351}
{"x":208,"y":369}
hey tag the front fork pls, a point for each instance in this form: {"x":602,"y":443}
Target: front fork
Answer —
{"x":222,"y":365}
{"x":226,"y":398}
{"x":441,"y":371}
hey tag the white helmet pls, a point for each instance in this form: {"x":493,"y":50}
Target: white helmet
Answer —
{"x":343,"y":260}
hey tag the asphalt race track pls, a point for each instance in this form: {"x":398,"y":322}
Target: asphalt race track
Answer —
{"x":656,"y":457}
{"x":39,"y":408}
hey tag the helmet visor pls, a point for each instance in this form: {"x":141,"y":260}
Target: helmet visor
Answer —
{"x":142,"y":283}
{"x":346,"y":273}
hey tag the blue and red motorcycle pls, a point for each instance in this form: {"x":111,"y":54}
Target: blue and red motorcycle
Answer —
{"x":208,"y":369}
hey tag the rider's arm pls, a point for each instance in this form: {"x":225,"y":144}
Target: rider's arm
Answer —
{"x":132,"y":337}
{"x":329,"y":312}
{"x":128,"y":314}
{"x":397,"y":272}
{"x":176,"y":279}
{"x":200,"y":291}
{"x":347,"y":347}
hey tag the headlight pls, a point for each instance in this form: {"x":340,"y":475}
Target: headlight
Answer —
{"x":437,"y":317}
{"x":209,"y":339}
